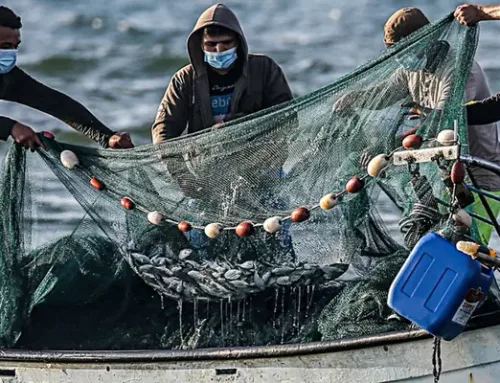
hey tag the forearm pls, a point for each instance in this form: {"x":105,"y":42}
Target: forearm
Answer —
{"x":490,"y":12}
{"x":27,"y":91}
{"x":484,"y":112}
{"x":77,"y":116}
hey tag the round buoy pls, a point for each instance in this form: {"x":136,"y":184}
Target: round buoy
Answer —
{"x":184,"y":226}
{"x":413,"y":141}
{"x":446,"y":137}
{"x":354,"y":185}
{"x":300,"y":214}
{"x":156,"y":218}
{"x":463,"y":218}
{"x":272,"y":225}
{"x":69,"y":159}
{"x":457,"y":173}
{"x":377,"y":164}
{"x":213,"y":230}
{"x":97,"y":184}
{"x":244,"y":229}
{"x":328,"y":201}
{"x":127,"y":203}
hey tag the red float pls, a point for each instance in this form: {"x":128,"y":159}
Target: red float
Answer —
{"x":354,"y":185}
{"x":300,"y":214}
{"x":127,"y":203}
{"x":457,"y":174}
{"x":244,"y":229}
{"x":97,"y":184}
{"x":413,"y":141}
{"x":184,"y":226}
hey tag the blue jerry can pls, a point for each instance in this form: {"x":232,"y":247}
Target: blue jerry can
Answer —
{"x":439,"y":287}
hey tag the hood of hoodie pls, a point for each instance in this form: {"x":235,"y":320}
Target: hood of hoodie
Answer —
{"x":220,"y":15}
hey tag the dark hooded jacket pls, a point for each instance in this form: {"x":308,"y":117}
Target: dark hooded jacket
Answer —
{"x":17,"y":86}
{"x":186,"y":103}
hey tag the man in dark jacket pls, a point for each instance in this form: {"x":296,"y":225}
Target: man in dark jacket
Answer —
{"x":17,"y":86}
{"x":223,"y":81}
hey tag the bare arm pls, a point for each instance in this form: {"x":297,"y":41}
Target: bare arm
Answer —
{"x":469,"y":14}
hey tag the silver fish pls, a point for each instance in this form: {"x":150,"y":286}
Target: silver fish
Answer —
{"x":239,"y":284}
{"x":282,"y":270}
{"x":247,"y":265}
{"x":284,"y":281}
{"x":196,"y":275}
{"x":186,"y":253}
{"x":232,"y":274}
{"x":146,"y":268}
{"x":259,"y":282}
{"x":141,"y":258}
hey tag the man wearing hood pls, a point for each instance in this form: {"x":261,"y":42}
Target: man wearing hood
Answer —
{"x":222,"y":82}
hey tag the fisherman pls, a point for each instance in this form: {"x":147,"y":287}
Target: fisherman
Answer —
{"x":483,"y":139}
{"x":222,"y":82}
{"x":488,"y":110}
{"x":17,"y":86}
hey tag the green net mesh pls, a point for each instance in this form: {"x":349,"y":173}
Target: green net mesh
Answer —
{"x":78,"y":271}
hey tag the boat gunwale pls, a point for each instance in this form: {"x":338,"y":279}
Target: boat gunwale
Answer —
{"x":231,"y":353}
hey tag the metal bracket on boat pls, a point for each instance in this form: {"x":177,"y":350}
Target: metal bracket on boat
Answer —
{"x":418,"y":156}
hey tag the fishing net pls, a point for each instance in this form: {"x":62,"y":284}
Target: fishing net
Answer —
{"x":80,"y":269}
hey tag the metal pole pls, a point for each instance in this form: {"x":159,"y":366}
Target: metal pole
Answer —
{"x":479,"y":162}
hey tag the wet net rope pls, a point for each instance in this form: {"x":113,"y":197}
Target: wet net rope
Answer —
{"x":219,"y":238}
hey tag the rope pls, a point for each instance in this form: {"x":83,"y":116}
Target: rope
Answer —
{"x":424,"y":215}
{"x":436,"y":359}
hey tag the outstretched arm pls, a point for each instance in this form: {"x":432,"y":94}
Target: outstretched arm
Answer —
{"x":469,"y":14}
{"x":482,"y":112}
{"x":25,"y":90}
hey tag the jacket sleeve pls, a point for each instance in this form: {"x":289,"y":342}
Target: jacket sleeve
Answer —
{"x":483,"y":112}
{"x":173,"y":112}
{"x":25,"y":90}
{"x":6,"y":125}
{"x":276,"y":90}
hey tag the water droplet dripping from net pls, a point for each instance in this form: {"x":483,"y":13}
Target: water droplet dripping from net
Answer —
{"x":282,"y":322}
{"x":179,"y":307}
{"x":276,"y":296}
{"x":195,"y":312}
{"x":244,"y":309}
{"x":299,"y":298}
{"x":222,"y":321}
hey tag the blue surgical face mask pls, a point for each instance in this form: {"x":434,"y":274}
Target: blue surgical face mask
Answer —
{"x":221,"y":60}
{"x":8,"y":58}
